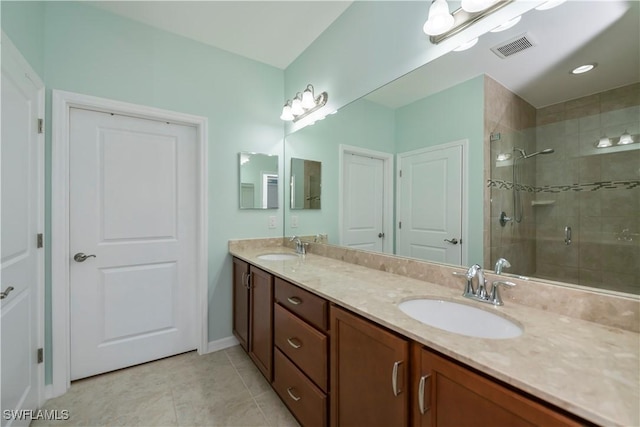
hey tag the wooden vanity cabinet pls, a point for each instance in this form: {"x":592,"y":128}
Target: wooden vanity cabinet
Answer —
{"x":253,"y":314}
{"x":455,"y":396}
{"x":301,"y":376}
{"x":369,"y":373}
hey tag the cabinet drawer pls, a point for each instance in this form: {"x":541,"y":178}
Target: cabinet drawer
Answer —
{"x":308,"y":306}
{"x":304,"y":345}
{"x":306,"y":401}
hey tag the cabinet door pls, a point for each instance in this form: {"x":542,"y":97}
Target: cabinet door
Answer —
{"x":241,"y":302}
{"x":369,"y":373}
{"x":261,"y":320}
{"x":457,"y":396}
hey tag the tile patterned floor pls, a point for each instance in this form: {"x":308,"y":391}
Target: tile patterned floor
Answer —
{"x":217,"y":389}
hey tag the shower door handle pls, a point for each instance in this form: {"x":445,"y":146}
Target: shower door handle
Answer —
{"x":567,"y":235}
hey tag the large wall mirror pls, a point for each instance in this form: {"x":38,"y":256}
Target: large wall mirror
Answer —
{"x":522,"y":134}
{"x":258,"y":181}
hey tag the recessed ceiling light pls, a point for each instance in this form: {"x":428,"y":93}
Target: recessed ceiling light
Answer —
{"x":584,"y":68}
{"x":507,"y":25}
{"x":550,"y":4}
{"x":467,"y":45}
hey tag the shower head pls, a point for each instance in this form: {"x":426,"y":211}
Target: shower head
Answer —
{"x":524,"y":154}
{"x":545,"y":151}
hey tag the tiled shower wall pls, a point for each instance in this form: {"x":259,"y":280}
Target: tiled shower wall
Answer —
{"x":595,"y":192}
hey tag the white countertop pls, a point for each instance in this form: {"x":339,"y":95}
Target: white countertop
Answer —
{"x":585,"y":368}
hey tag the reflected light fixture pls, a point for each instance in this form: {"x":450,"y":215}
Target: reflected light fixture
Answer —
{"x":604,"y":142}
{"x":303,"y":104}
{"x":477,"y":5}
{"x":584,"y":68}
{"x":467,"y":45}
{"x":440,"y":19}
{"x":625,"y":138}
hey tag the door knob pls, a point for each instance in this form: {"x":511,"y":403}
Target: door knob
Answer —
{"x":453,"y":241}
{"x":381,"y":235}
{"x":80,"y":257}
{"x":5,"y":293}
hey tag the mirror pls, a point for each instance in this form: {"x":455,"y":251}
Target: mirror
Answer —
{"x":305,"y":184}
{"x":258,"y":181}
{"x":530,"y":102}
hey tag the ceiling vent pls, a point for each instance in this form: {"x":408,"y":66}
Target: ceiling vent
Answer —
{"x":513,"y":46}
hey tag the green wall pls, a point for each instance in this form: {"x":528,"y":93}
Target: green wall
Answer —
{"x":79,"y":48}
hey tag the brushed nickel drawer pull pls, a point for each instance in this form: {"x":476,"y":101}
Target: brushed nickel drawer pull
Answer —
{"x":294,"y":300}
{"x":394,"y":378}
{"x":291,"y":395}
{"x":292,"y":344}
{"x":423,"y":409}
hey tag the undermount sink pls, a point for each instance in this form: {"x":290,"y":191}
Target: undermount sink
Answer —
{"x":460,"y":318}
{"x":277,"y":257}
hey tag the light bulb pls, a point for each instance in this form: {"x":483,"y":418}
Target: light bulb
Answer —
{"x":604,"y":142}
{"x":440,"y":20}
{"x":286,"y":115}
{"x":296,"y":106}
{"x":476,"y":5}
{"x":625,"y":139}
{"x":307,"y":98}
{"x":507,"y":25}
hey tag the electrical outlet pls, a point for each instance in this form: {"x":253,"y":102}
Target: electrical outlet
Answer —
{"x":294,"y":221}
{"x":272,"y":221}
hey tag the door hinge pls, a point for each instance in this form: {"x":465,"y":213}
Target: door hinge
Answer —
{"x":400,"y":173}
{"x":40,"y":355}
{"x":400,"y":224}
{"x":40,"y":241}
{"x":40,"y":126}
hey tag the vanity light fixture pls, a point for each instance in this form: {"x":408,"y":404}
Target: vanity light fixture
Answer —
{"x":440,"y":19}
{"x":468,"y":45}
{"x":625,"y":139}
{"x":303,"y":104}
{"x":471,"y":12}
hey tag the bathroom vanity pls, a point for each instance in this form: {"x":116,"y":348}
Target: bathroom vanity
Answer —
{"x":343,"y":353}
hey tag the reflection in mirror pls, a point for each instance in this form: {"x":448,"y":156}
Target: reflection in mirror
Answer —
{"x":571,"y":215}
{"x":258,"y":181}
{"x":305,"y":184}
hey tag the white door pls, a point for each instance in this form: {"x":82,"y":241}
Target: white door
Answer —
{"x":430,"y":204}
{"x":133,"y":214}
{"x":21,"y":263}
{"x":363,"y":203}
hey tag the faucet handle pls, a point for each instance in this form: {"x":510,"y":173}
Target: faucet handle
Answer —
{"x":495,"y":291}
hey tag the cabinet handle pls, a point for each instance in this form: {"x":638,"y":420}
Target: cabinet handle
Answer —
{"x":292,"y":344}
{"x":294,"y":300}
{"x":423,"y":380}
{"x":248,"y":284}
{"x":293,"y":396}
{"x":394,"y":378}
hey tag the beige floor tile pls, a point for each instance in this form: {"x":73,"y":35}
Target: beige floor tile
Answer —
{"x":275,"y":411}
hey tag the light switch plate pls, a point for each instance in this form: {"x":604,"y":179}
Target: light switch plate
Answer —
{"x":272,"y":221}
{"x":294,"y":221}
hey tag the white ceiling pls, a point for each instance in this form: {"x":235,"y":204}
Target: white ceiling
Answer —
{"x":277,"y":32}
{"x":273,"y":32}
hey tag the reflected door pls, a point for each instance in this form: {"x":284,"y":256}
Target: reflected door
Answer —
{"x":363,"y":203}
{"x":132,"y":214}
{"x":430,"y":205}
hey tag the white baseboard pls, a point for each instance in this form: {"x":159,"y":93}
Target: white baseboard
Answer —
{"x":222,"y":343}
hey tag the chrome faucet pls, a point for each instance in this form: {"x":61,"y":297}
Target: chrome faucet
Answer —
{"x":480,"y":293}
{"x":301,"y":248}
{"x":501,"y":264}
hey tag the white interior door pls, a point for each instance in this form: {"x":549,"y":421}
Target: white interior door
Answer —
{"x":21,"y":263}
{"x":430,"y":204}
{"x":133,"y":213}
{"x":363,"y":203}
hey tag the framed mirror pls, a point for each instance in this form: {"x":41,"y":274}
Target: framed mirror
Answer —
{"x":519,"y":106}
{"x":258,"y":181}
{"x":305,"y":184}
